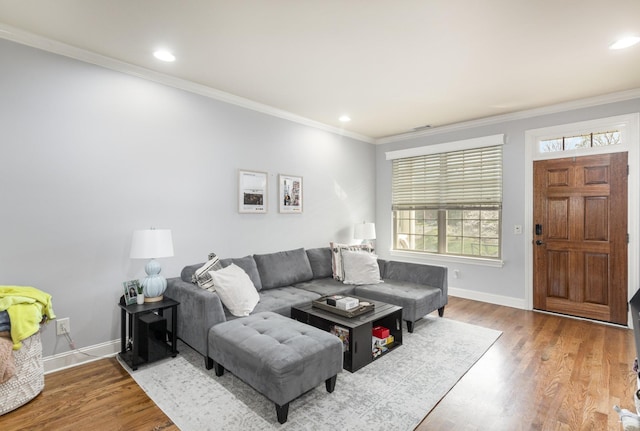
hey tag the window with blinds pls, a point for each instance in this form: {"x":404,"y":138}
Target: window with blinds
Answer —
{"x":449,"y":202}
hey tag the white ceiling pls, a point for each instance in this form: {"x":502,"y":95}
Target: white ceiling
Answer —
{"x":390,"y":65}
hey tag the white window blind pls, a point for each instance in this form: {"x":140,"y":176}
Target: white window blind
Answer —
{"x":470,"y":178}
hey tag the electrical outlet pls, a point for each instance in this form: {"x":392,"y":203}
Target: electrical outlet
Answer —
{"x":63,"y":326}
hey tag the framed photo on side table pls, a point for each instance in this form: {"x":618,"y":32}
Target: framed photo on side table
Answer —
{"x":290,"y":194}
{"x":131,"y":289}
{"x":252,"y":192}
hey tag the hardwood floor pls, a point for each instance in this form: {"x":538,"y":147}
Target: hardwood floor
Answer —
{"x":544,"y":373}
{"x":96,"y":396}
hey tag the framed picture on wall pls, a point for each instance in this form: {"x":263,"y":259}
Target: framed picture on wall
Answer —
{"x":290,"y":194}
{"x":252,"y":192}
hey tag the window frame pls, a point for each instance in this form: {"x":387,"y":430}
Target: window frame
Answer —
{"x":486,"y":141}
{"x":442,"y":221}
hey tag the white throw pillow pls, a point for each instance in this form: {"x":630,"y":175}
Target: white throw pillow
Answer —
{"x":360,"y":267}
{"x":336,"y":256}
{"x":235,"y":289}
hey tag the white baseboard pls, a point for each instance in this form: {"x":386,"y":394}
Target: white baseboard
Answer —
{"x":507,"y":301}
{"x":80,"y":356}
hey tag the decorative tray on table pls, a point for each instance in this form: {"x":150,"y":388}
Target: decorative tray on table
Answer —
{"x":361,"y":308}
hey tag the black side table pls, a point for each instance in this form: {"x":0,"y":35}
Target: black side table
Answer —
{"x":130,"y":327}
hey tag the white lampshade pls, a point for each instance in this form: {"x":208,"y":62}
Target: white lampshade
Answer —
{"x":151,"y":243}
{"x":364,"y":231}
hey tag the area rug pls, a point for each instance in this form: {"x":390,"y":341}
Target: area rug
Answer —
{"x":394,"y":392}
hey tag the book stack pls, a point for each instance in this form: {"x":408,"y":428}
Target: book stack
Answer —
{"x":381,"y":340}
{"x":343,"y":302}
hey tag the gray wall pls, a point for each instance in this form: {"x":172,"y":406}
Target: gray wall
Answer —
{"x":504,"y":285}
{"x":89,"y":155}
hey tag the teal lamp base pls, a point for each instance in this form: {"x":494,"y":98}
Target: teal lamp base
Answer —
{"x":154,"y":285}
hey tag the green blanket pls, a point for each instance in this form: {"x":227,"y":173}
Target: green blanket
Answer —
{"x":27,"y":308}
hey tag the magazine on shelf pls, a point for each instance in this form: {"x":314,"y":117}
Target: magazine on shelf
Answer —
{"x":343,"y":334}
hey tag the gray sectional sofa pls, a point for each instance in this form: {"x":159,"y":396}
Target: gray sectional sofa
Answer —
{"x":295,"y":277}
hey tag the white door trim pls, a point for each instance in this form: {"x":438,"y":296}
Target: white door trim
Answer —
{"x":631,"y":144}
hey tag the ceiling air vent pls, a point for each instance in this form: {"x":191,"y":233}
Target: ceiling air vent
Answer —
{"x":419,"y":128}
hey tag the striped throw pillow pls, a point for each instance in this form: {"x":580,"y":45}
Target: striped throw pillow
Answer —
{"x":337,"y":265}
{"x":202,"y":277}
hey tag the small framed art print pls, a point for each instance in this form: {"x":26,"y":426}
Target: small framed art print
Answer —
{"x":252,"y":192}
{"x":290,"y":194}
{"x":131,"y":289}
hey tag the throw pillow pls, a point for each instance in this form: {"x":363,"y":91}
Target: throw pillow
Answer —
{"x":249,"y":265}
{"x":202,"y":278}
{"x":320,"y":261}
{"x":360,"y":268}
{"x":336,"y":256}
{"x":283,"y":268}
{"x":235,"y":289}
{"x":187,"y":272}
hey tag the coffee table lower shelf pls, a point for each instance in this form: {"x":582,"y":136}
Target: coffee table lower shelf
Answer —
{"x":358,"y":350}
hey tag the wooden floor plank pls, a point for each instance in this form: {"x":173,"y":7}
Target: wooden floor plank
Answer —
{"x":553,"y":373}
{"x":99,"y":395}
{"x":545,"y":372}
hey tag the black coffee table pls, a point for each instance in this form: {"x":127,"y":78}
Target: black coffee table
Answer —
{"x":358,"y":348}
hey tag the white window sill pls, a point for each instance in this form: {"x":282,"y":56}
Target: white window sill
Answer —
{"x":439,"y":258}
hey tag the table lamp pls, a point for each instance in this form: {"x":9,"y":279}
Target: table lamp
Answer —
{"x":151,"y":244}
{"x":365,"y":231}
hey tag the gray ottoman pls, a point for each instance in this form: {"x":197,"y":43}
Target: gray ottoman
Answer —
{"x":279,"y":357}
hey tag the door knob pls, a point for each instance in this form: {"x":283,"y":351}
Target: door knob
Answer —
{"x":539,"y":242}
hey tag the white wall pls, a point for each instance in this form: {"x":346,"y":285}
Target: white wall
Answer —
{"x":89,"y":154}
{"x":503,"y":285}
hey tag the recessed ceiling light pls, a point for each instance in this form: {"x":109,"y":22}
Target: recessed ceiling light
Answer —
{"x":164,"y":55}
{"x":344,"y":119}
{"x":625,"y":42}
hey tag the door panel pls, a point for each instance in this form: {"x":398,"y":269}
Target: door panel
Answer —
{"x":596,"y":219}
{"x":580,"y":257}
{"x":596,"y":175}
{"x":597,"y":266}
{"x":558,"y":177}
{"x":558,"y":218}
{"x":559,"y":267}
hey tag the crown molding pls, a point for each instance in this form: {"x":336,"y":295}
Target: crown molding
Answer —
{"x":25,"y":38}
{"x":518,"y":115}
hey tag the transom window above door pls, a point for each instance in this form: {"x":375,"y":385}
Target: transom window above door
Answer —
{"x":601,"y":136}
{"x":590,"y":140}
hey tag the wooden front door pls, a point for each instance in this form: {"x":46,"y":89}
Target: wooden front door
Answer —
{"x":580,"y":236}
